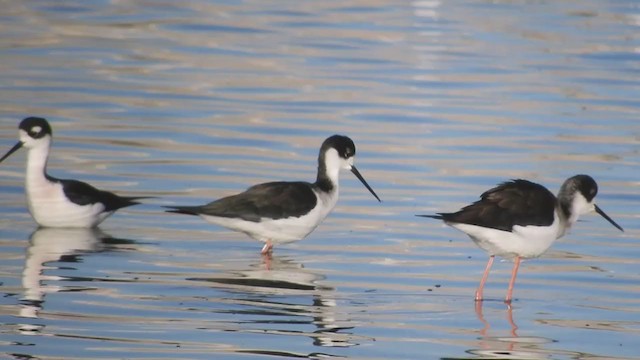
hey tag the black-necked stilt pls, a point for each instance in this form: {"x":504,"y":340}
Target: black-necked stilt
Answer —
{"x":521,"y":219}
{"x":282,"y":212}
{"x":56,"y":202}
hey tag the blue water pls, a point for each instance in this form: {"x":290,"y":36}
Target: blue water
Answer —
{"x":195,"y":100}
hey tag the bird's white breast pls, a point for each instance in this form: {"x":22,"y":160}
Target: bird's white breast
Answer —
{"x":50,"y":207}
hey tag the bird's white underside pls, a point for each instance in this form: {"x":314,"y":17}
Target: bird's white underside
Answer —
{"x":282,"y":231}
{"x":524,"y":241}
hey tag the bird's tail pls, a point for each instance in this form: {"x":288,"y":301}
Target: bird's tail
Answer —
{"x":187,"y":210}
{"x":134,"y":199}
{"x":437,"y":216}
{"x":114,"y":202}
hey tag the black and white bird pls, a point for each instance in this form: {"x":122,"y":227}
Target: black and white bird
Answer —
{"x":283,"y":212}
{"x":520,"y":219}
{"x":56,"y":202}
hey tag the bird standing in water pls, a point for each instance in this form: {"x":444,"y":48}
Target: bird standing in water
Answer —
{"x":57,"y":202}
{"x":520,"y":219}
{"x":282,"y":212}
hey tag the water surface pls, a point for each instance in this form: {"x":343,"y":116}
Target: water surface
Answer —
{"x":195,"y":100}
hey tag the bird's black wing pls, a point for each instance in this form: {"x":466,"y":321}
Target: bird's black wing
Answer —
{"x":82,"y":193}
{"x":516,"y":202}
{"x":275,"y":200}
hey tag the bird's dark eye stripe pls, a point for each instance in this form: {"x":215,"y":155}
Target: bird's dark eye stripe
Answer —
{"x":35,"y":131}
{"x":348,"y":152}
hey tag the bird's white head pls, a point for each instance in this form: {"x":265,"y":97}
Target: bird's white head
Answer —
{"x":577,"y":197}
{"x":338,"y":152}
{"x":34,"y":133}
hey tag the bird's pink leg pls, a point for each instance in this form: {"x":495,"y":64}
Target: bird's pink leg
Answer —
{"x":266,"y":252}
{"x":514,"y":327}
{"x":267,"y":248}
{"x":512,"y":282}
{"x":485,"y":329}
{"x":484,"y":278}
{"x":266,"y":259}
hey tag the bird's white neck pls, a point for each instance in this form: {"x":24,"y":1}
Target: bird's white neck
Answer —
{"x":570,"y":207}
{"x":36,"y":166}
{"x":333,"y":164}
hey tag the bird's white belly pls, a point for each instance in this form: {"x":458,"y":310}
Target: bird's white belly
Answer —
{"x":524,"y":241}
{"x":283,"y":230}
{"x":50,"y":207}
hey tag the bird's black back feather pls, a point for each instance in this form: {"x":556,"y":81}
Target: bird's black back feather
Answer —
{"x":274,"y":200}
{"x":82,"y":193}
{"x":516,"y":202}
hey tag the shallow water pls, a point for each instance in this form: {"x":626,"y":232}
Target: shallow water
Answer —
{"x":195,"y":100}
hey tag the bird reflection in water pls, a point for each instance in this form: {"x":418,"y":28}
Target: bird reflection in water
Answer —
{"x":282,"y":297}
{"x":47,"y":245}
{"x":513,"y":346}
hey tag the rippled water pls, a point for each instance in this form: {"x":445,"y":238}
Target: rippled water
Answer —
{"x":193,"y":100}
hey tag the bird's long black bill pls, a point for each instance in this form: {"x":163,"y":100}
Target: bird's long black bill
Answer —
{"x":13,"y":149}
{"x":357,"y":174}
{"x":602,"y":213}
